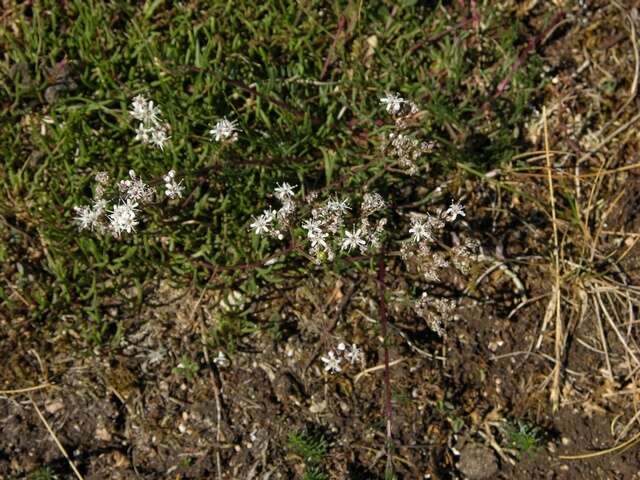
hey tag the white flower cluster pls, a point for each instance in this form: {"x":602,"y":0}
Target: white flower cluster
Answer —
{"x":135,"y":190}
{"x":332,"y":361}
{"x":400,"y":145}
{"x":417,"y":252}
{"x":275,"y":222}
{"x":122,"y":216}
{"x":325,"y":229}
{"x":436,"y":311}
{"x":408,"y":150}
{"x":398,"y":106}
{"x":225,"y":131}
{"x":151,"y":130}
{"x":172,"y":189}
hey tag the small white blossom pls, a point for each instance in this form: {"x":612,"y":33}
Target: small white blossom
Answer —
{"x":284,"y":191}
{"x":150,"y":130}
{"x":87,"y":218}
{"x":135,"y":189}
{"x":312,"y":227}
{"x":159,"y":137}
{"x":172,"y":188}
{"x":354,"y":354}
{"x":225,"y":130}
{"x":372,"y":202}
{"x":221,"y":360}
{"x":123,"y":218}
{"x":102,"y":178}
{"x":393,"y":103}
{"x":454,"y":211}
{"x":341,"y":206}
{"x":145,"y":111}
{"x":420,"y":231}
{"x":332,"y":363}
{"x":317,"y":239}
{"x":353,"y":239}
{"x":143,"y":133}
{"x":262,"y":224}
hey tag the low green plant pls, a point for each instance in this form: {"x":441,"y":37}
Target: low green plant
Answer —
{"x":524,"y":437}
{"x":314,"y":473}
{"x":311,"y":447}
{"x":187,"y":368}
{"x":43,"y":473}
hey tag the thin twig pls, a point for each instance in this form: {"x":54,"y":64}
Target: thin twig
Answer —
{"x":376,"y":368}
{"x":18,"y":391}
{"x":342,"y":22}
{"x":531,"y":46}
{"x":55,"y":438}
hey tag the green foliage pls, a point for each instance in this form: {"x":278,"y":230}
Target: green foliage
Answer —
{"x":311,"y":447}
{"x":186,"y":368}
{"x":314,"y":473}
{"x":70,"y":70}
{"x":229,"y":329}
{"x":524,"y":437}
{"x":43,"y":473}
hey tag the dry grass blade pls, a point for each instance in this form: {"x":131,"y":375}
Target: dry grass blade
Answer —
{"x":615,"y":328}
{"x":603,"y":339}
{"x":18,"y":391}
{"x":559,"y":330}
{"x":55,"y":439}
{"x":623,"y":446}
{"x":376,"y":368}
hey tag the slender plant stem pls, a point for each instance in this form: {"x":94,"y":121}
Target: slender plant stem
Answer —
{"x":382,"y":310}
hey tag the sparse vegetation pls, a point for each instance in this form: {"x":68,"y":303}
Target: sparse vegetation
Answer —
{"x":191,"y":260}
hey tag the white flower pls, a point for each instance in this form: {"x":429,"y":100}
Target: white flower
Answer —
{"x":102,"y":178}
{"x":284,"y":191}
{"x":150,"y":130}
{"x":353,"y":239}
{"x":332,"y":363}
{"x":262,"y":224}
{"x":225,"y":130}
{"x":172,"y":188}
{"x":123,"y":217}
{"x":87,"y":217}
{"x":372,"y":202}
{"x":135,"y":189}
{"x":393,"y":103}
{"x":454,"y":211}
{"x":317,"y":239}
{"x":143,"y":133}
{"x":341,"y":346}
{"x":312,"y":227}
{"x":221,"y":360}
{"x":420,"y":231}
{"x":341,"y":206}
{"x":354,"y":354}
{"x":159,"y":137}
{"x":145,"y":111}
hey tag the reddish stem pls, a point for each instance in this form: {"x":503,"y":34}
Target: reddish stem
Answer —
{"x":382,"y":308}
